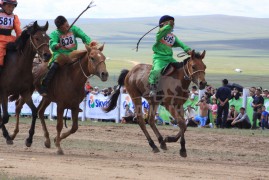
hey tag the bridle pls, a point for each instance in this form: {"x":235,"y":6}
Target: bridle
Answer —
{"x":37,"y":47}
{"x":96,"y":66}
{"x":187,"y":74}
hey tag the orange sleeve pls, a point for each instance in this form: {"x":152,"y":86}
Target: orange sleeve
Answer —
{"x":17,"y":26}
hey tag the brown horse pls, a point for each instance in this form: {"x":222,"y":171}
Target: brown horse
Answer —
{"x":17,"y":78}
{"x":172,"y":93}
{"x":67,"y":88}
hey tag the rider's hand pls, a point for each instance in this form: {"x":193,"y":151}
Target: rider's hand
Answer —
{"x":58,"y":46}
{"x":189,"y":52}
{"x":93,"y":43}
{"x":172,"y":23}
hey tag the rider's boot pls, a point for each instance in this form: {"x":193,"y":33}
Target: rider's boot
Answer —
{"x":153,"y":90}
{"x":43,"y":91}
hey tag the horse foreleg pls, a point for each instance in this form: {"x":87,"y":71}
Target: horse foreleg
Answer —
{"x":74,"y":127}
{"x":153,"y":110}
{"x":5,"y":120}
{"x":41,"y":110}
{"x":6,"y":135}
{"x":59,"y":127}
{"x":182,"y":125}
{"x":30,"y":103}
{"x":19,"y":104}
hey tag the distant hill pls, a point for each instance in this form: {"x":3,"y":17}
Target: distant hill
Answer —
{"x":203,"y":32}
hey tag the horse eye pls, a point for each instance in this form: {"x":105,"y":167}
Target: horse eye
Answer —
{"x":92,"y":58}
{"x":37,"y":39}
{"x":193,"y":67}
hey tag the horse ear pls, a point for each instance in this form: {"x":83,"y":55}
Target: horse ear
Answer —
{"x":88,"y":48}
{"x":101,"y":48}
{"x":203,"y":54}
{"x":35,"y":25}
{"x":45,"y":28}
{"x":193,"y":54}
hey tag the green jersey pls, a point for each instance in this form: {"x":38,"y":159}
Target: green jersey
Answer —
{"x":165,"y":40}
{"x":68,"y":41}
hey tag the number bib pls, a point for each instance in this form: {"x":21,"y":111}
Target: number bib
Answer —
{"x":6,"y":21}
{"x":68,"y":40}
{"x":169,"y":40}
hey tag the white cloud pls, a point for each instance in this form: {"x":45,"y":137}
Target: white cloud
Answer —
{"x":49,"y":9}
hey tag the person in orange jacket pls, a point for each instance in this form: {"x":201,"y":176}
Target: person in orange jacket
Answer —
{"x":8,"y":22}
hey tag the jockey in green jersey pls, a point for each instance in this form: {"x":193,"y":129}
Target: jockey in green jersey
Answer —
{"x":163,"y":53}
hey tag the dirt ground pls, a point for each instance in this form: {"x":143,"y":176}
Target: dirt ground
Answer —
{"x":108,"y":151}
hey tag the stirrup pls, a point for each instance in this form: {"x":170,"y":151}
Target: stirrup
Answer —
{"x":152,"y":93}
{"x":153,"y":90}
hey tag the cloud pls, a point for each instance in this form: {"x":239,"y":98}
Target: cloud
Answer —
{"x":49,"y":9}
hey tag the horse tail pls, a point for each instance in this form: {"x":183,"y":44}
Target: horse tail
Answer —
{"x":112,"y":103}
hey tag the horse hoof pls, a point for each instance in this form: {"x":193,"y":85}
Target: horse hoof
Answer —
{"x":9,"y":142}
{"x":28,"y":143}
{"x":60,"y":152}
{"x":183,"y":153}
{"x":47,"y":144}
{"x":155,"y":150}
{"x":163,"y":146}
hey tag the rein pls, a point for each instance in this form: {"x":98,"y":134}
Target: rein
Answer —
{"x":189,"y":77}
{"x":83,"y":72}
{"x":37,"y":48}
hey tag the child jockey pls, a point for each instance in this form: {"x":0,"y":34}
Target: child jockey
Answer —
{"x":163,"y":53}
{"x":64,"y":42}
{"x":8,"y":22}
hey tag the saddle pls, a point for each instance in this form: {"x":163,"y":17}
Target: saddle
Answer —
{"x":170,"y":68}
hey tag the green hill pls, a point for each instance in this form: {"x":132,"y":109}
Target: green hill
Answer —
{"x":231,"y":42}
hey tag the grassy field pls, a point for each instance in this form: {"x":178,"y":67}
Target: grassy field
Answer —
{"x":231,"y":42}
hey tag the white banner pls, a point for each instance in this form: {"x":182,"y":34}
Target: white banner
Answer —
{"x":91,"y":106}
{"x":94,"y":105}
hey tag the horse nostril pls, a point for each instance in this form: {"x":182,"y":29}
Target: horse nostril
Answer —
{"x":104,"y":74}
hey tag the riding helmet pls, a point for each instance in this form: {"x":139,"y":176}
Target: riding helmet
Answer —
{"x":10,"y":2}
{"x":165,"y":18}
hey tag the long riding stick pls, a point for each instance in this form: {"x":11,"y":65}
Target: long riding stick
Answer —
{"x":88,"y":7}
{"x":143,"y":37}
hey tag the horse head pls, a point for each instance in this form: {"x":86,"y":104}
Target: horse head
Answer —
{"x":40,"y":40}
{"x":195,"y":70}
{"x":96,"y":63}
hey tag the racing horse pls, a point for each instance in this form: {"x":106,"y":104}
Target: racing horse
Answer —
{"x":16,"y":78}
{"x":172,"y":93}
{"x":67,"y":88}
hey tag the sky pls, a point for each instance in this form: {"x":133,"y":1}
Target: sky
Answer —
{"x":49,"y":9}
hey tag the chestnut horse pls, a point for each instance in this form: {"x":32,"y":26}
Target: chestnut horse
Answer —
{"x":172,"y":93}
{"x":16,"y":77}
{"x":67,"y":88}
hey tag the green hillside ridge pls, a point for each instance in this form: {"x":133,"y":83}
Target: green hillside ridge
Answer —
{"x":231,"y":42}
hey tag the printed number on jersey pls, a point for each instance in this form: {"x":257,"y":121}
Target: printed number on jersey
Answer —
{"x":169,"y":39}
{"x":6,"y":21}
{"x":68,"y":41}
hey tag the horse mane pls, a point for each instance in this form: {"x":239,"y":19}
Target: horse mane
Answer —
{"x":20,"y":42}
{"x":197,"y":56}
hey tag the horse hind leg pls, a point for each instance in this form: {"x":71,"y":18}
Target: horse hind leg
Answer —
{"x":152,"y":112}
{"x":19,"y":104}
{"x":138,"y":110}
